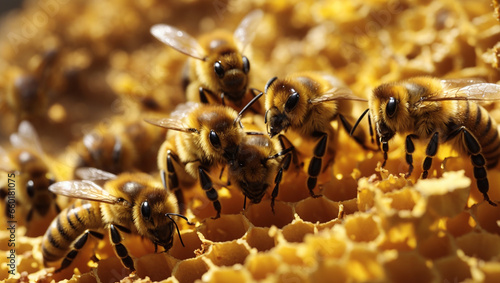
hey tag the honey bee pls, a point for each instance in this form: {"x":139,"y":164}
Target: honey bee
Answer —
{"x":31,"y":169}
{"x":29,"y":94}
{"x":307,"y":103}
{"x":202,"y":137}
{"x":439,"y":111}
{"x":123,"y":146}
{"x":132,"y":203}
{"x":257,"y":165}
{"x":218,"y":68}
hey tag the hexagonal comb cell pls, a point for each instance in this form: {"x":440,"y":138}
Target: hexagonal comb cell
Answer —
{"x":190,"y":270}
{"x":262,"y":265}
{"x":361,"y":228}
{"x":228,"y":253}
{"x":191,"y":243}
{"x":155,"y":266}
{"x":408,"y":267}
{"x":216,"y":230}
{"x":261,"y":214}
{"x":296,"y":231}
{"x":317,"y":210}
{"x":259,"y":238}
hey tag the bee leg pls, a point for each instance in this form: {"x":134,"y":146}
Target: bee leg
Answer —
{"x":371,"y":130}
{"x":431,"y":150}
{"x":409,"y":148}
{"x":30,"y":215}
{"x":358,"y":138}
{"x":207,"y":186}
{"x":479,"y":163}
{"x":385,"y":149}
{"x":283,"y":142}
{"x":120,"y":250}
{"x":172,"y":181}
{"x":204,"y":98}
{"x":77,"y":246}
{"x":316,"y":163}
{"x":277,"y":182}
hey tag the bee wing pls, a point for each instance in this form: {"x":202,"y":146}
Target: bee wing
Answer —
{"x":171,"y":124}
{"x":457,"y":83}
{"x":178,"y":39}
{"x":474,"y":92}
{"x":84,"y":189}
{"x":341,"y":93}
{"x":26,"y":137}
{"x":246,"y":30}
{"x":182,"y":110}
{"x":93,"y":174}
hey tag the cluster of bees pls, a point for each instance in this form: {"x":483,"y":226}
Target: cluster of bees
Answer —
{"x":226,"y":136}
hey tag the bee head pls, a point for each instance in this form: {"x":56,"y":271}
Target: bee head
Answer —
{"x":149,"y":216}
{"x":229,"y":70}
{"x":219,"y":134}
{"x":389,"y":110}
{"x":286,"y":105}
{"x":250,"y":170}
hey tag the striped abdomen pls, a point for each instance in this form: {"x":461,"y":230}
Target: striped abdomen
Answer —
{"x":68,"y":226}
{"x":484,"y":128}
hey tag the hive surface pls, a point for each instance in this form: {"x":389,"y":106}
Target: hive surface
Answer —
{"x":371,"y":224}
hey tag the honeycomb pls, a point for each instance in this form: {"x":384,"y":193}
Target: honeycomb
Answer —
{"x":370,"y":225}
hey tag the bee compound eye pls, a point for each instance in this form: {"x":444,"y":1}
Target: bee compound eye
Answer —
{"x":292,"y":101}
{"x":246,"y":65}
{"x":214,"y":139}
{"x":146,"y":210}
{"x":390,"y":109}
{"x":30,"y":188}
{"x":219,"y":70}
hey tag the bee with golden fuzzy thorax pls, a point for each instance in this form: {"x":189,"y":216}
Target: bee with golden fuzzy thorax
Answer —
{"x":30,"y":93}
{"x":121,"y":146}
{"x":307,"y":103}
{"x":217,"y":70}
{"x":128,"y":203}
{"x":439,"y":111}
{"x":33,"y":173}
{"x":201,"y":137}
{"x":259,"y":163}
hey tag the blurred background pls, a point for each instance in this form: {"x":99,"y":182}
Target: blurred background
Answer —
{"x":8,"y":5}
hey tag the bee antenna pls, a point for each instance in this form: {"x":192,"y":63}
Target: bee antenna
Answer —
{"x":371,"y":128}
{"x":246,"y":108}
{"x":269,"y":83}
{"x":359,"y":120}
{"x":169,"y":215}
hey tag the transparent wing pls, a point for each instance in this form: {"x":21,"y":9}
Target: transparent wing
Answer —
{"x":475,"y":92}
{"x":93,"y":174}
{"x":182,"y":110}
{"x":26,"y":137}
{"x":87,"y":190}
{"x":246,"y":30}
{"x":178,"y":39}
{"x":171,"y":124}
{"x":457,"y":83}
{"x":340,"y":93}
